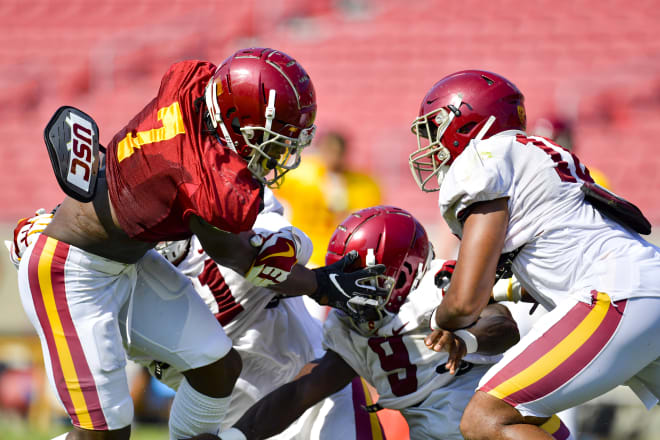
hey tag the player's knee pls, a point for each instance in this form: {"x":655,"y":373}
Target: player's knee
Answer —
{"x":119,"y":417}
{"x":475,"y":422}
{"x":232,"y":364}
{"x":486,"y":416}
{"x":469,"y":425}
{"x":217,"y":379}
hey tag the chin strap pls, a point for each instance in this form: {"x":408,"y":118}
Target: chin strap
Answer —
{"x":481,"y":134}
{"x":215,"y":115}
{"x":270,"y":114}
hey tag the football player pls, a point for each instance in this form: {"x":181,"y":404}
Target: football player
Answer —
{"x":193,"y":161}
{"x":275,"y":336}
{"x":385,"y":344}
{"x":574,"y":247}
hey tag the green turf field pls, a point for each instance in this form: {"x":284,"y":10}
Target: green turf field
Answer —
{"x":17,"y":429}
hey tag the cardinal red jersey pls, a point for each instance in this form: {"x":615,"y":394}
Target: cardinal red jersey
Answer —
{"x":162,"y":167}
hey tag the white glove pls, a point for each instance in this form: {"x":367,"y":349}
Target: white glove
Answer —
{"x":507,"y":289}
{"x":277,"y":255}
{"x":232,"y":434}
{"x":26,"y":232}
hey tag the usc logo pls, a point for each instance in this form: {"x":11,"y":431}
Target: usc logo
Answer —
{"x":81,"y":158}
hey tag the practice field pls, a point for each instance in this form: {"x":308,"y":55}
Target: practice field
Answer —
{"x":17,"y":429}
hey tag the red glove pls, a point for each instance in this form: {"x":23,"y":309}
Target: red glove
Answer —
{"x":443,"y":276}
{"x":26,"y":232}
{"x":275,"y":260}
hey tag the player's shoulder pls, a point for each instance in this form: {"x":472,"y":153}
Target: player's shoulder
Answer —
{"x":338,"y":333}
{"x":337,"y":319}
{"x":488,"y":151}
{"x":184,"y":75}
{"x":428,"y":289}
{"x":187,"y":68}
{"x":482,"y":164}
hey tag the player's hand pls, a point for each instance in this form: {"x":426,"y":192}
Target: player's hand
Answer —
{"x":26,"y":232}
{"x":278,"y":253}
{"x":445,"y":340}
{"x":351,"y":292}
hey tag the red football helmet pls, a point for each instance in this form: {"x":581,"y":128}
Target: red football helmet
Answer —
{"x":390,"y":236}
{"x":262,"y":104}
{"x":457,"y":109}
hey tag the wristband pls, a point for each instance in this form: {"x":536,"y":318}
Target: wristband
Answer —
{"x":470,"y":340}
{"x":232,"y":434}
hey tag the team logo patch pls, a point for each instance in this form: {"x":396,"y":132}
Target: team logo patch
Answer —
{"x":72,"y":140}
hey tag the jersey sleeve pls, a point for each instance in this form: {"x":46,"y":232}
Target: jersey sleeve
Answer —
{"x":227,"y":196}
{"x":479,"y":174}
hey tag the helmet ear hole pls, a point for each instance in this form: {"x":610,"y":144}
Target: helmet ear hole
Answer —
{"x":401,"y":281}
{"x":465,"y":129}
{"x":236,"y":125}
{"x":403,"y":277}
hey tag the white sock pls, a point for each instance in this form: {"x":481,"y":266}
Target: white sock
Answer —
{"x":194,"y":413}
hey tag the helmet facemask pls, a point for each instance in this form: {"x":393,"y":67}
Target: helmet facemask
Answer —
{"x":430,"y":162}
{"x":274,"y":154}
{"x":368,"y":319}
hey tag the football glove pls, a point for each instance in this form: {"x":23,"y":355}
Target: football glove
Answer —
{"x":350,"y":292}
{"x":442,"y":278}
{"x":278,"y":253}
{"x":26,"y":232}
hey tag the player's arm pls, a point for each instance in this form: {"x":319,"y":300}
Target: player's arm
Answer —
{"x":496,"y":330}
{"x":484,"y":231}
{"x":271,"y":261}
{"x":230,"y":250}
{"x":493,"y":333}
{"x":276,"y":411}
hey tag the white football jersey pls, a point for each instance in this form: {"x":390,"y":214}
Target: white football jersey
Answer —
{"x":395,"y":360}
{"x":275,"y":337}
{"x":567,"y":247}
